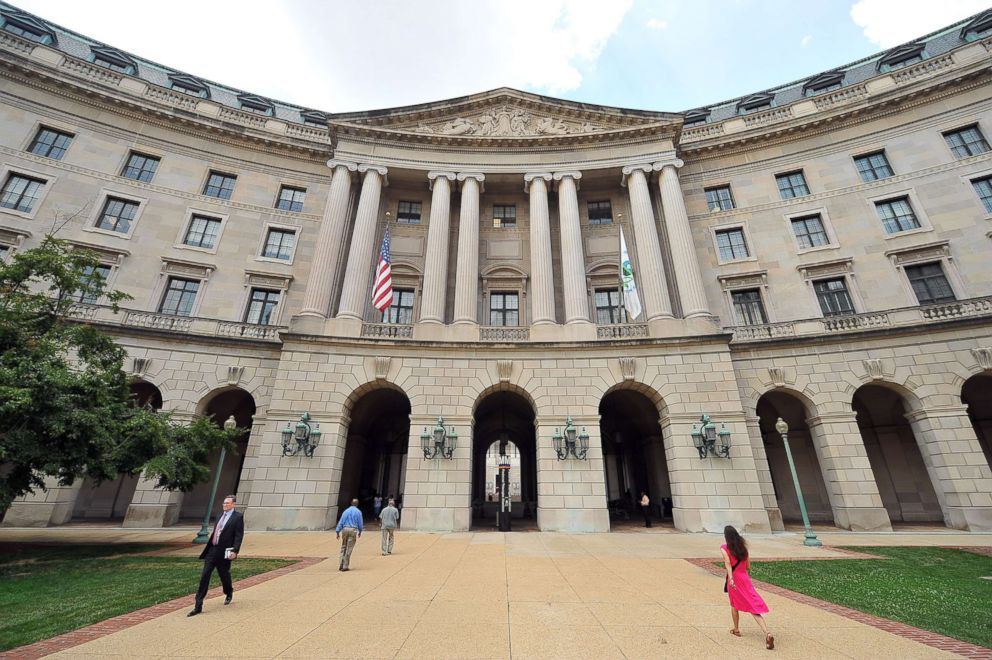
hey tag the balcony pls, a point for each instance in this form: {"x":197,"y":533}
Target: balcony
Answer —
{"x":387,"y":330}
{"x":185,"y":325}
{"x":500,"y":333}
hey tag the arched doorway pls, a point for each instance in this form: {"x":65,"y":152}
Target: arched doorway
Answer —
{"x":218,"y":407}
{"x":792,"y":410}
{"x":900,"y":473}
{"x":108,"y":501}
{"x":633,"y":457}
{"x":375,"y":455}
{"x":503,"y":430}
{"x":977,"y":395}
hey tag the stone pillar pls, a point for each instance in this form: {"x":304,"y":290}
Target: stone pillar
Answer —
{"x":437,"y":496}
{"x":573,"y":267}
{"x":571,"y":493}
{"x":684,"y":263}
{"x":152,"y":506}
{"x":320,"y":283}
{"x":650,"y":272}
{"x":764,"y":473}
{"x":467,"y":272}
{"x":542,"y":281}
{"x":356,"y":292}
{"x":436,"y":266}
{"x":52,"y":506}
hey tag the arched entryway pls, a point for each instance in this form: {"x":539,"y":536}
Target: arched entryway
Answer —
{"x":633,"y":457}
{"x":376,"y":452}
{"x":771,"y":406}
{"x":503,"y":430}
{"x":977,"y":395}
{"x":900,"y":473}
{"x":218,"y":406}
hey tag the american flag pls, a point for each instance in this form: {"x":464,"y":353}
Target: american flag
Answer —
{"x":382,"y":288}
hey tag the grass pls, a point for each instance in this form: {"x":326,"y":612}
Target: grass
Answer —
{"x":934,"y":589}
{"x":49,"y":590}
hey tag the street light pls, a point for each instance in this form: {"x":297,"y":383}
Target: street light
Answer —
{"x":783,"y":430}
{"x":705,"y":438}
{"x":440,"y":443}
{"x":307,"y":437}
{"x":571,"y":443}
{"x":204,"y":534}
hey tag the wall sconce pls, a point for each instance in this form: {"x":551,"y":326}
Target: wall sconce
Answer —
{"x":708,"y":441}
{"x":439,"y":444}
{"x":571,"y":443}
{"x":307,"y":437}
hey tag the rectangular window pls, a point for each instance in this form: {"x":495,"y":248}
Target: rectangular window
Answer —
{"x":401,"y":309}
{"x":504,"y":308}
{"x":609,"y":308}
{"x":967,"y":141}
{"x":140,"y":167}
{"x":202,"y":232}
{"x":117,"y":215}
{"x":929,"y":283}
{"x":279,"y":244}
{"x":220,"y":185}
{"x":27,"y":33}
{"x":504,"y":215}
{"x":50,"y":143}
{"x":180,"y":294}
{"x":897,"y":215}
{"x":731,"y":244}
{"x":101,"y":271}
{"x":719,"y":198}
{"x":179,"y":87}
{"x":983,"y":187}
{"x":833,"y":296}
{"x":21,"y":192}
{"x":748,"y":307}
{"x":111,"y":64}
{"x":792,"y":184}
{"x":291,"y":199}
{"x":408,"y":213}
{"x":873,"y":167}
{"x":261,"y":305}
{"x":809,"y":231}
{"x":600,"y":213}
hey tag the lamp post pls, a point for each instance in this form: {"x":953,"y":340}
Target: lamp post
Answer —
{"x":783,"y":430}
{"x":204,"y":535}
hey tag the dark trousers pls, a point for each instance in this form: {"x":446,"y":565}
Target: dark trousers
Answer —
{"x":647,"y":517}
{"x":223,"y":567}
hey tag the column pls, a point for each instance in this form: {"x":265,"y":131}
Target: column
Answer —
{"x":356,"y":292}
{"x":467,"y":271}
{"x":542,"y":280}
{"x":650,"y":273}
{"x":573,"y":268}
{"x":436,"y":266}
{"x":320,"y":284}
{"x":684,"y":263}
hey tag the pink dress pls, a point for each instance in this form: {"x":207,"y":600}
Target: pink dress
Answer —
{"x":743,"y":597}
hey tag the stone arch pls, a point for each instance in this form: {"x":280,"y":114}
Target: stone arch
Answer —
{"x":976,"y":395}
{"x":906,"y":388}
{"x":648,"y":391}
{"x":504,"y":386}
{"x":805,"y":396}
{"x":365,"y":388}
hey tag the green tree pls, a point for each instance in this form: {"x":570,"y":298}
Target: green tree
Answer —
{"x":66,"y":408}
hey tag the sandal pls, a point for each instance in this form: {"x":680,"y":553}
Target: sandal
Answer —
{"x":735,"y":632}
{"x":769,"y":641}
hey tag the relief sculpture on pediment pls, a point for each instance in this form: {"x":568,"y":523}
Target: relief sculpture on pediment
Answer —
{"x":506,"y":121}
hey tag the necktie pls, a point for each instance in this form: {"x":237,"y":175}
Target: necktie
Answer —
{"x":220,"y":527}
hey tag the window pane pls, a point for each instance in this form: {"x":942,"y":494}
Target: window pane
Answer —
{"x":984,"y":189}
{"x":401,"y":309}
{"x":929,"y":283}
{"x":179,"y":296}
{"x":792,"y":184}
{"x":719,"y":199}
{"x":117,"y":215}
{"x":408,"y":213}
{"x":600,"y":213}
{"x":731,"y":244}
{"x":262,"y":304}
{"x":202,"y":232}
{"x":279,"y":244}
{"x":833,"y":297}
{"x":897,"y":215}
{"x":874,"y":166}
{"x":50,"y":143}
{"x":966,"y":142}
{"x":748,"y":307}
{"x":20,"y":193}
{"x":140,"y":167}
{"x":809,"y":231}
{"x":219,"y":185}
{"x":504,"y":215}
{"x":291,"y":199}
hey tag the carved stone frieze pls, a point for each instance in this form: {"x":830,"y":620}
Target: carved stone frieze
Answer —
{"x":507,"y":121}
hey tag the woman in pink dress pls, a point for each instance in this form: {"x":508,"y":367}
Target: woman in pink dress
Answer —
{"x":743,"y":597}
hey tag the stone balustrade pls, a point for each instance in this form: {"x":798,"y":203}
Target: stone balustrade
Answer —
{"x":924,"y":68}
{"x":93,"y":71}
{"x":185,"y":325}
{"x":387,"y":330}
{"x":622,"y":331}
{"x":503,"y":333}
{"x":171,"y":97}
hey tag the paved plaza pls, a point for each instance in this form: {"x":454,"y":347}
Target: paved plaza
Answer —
{"x":494,"y":595}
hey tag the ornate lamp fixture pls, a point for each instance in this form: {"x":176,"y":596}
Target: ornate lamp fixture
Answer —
{"x":306,"y":437}
{"x":440,"y":443}
{"x":571,"y":443}
{"x":708,"y":440}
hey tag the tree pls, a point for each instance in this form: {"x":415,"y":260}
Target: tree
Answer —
{"x":66,"y":409}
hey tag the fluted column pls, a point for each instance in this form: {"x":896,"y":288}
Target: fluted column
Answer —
{"x":320,"y":284}
{"x":542,"y":281}
{"x":684,"y":263}
{"x":573,"y":268}
{"x":356,"y":291}
{"x":436,"y":267}
{"x":650,"y":271}
{"x":467,"y":269}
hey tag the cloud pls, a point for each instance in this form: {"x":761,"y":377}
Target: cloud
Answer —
{"x":657,"y":24}
{"x":889,"y":23}
{"x":806,"y":40}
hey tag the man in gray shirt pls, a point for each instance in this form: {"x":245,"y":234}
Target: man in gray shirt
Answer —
{"x":389,"y":516}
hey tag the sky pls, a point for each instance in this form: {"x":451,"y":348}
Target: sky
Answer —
{"x":344,"y":55}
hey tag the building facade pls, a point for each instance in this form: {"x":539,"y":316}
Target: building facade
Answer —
{"x":820,"y":252}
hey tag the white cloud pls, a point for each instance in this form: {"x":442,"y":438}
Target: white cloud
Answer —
{"x":889,"y":23}
{"x":657,"y":24}
{"x":806,"y":40}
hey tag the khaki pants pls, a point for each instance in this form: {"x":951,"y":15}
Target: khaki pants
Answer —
{"x":349,"y":535}
{"x":387,"y":540}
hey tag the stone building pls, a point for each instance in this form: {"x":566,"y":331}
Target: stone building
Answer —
{"x":818,"y":252}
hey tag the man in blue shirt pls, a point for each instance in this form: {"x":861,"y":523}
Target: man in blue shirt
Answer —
{"x":349,"y":530}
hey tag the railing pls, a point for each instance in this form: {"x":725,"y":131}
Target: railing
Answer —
{"x":94,"y":71}
{"x":10,"y":41}
{"x":622,"y":331}
{"x":768,"y":117}
{"x":767,"y":331}
{"x":503,"y":333}
{"x":157,"y":321}
{"x":307,"y":132}
{"x":187,"y":325}
{"x":958,"y":309}
{"x":388,"y":330}
{"x":248,"y":330}
{"x":691,"y":133}
{"x":170,"y":97}
{"x":241,"y":117}
{"x":855,"y":322}
{"x":924,"y":68}
{"x":842,"y":95}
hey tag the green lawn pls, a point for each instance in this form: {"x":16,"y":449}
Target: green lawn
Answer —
{"x":929,"y":588}
{"x":49,"y":590}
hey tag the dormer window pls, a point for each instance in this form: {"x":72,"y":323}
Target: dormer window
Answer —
{"x":113,"y":59}
{"x":698,"y":116}
{"x":755,"y":103}
{"x":314,"y":118}
{"x":902,"y":56}
{"x":825,"y":82}
{"x":256,"y":105}
{"x":979,"y":28}
{"x":189,"y":85}
{"x":28,"y":27}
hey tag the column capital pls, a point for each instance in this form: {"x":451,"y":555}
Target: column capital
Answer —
{"x":364,"y":168}
{"x":627,"y":170}
{"x":531,"y":176}
{"x":676,"y":163}
{"x":349,"y":165}
{"x":478,"y":176}
{"x":432,"y":175}
{"x":573,"y":175}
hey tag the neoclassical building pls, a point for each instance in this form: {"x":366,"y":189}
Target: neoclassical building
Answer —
{"x":820,"y":252}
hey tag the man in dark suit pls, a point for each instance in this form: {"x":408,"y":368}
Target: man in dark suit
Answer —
{"x":222,"y":547}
